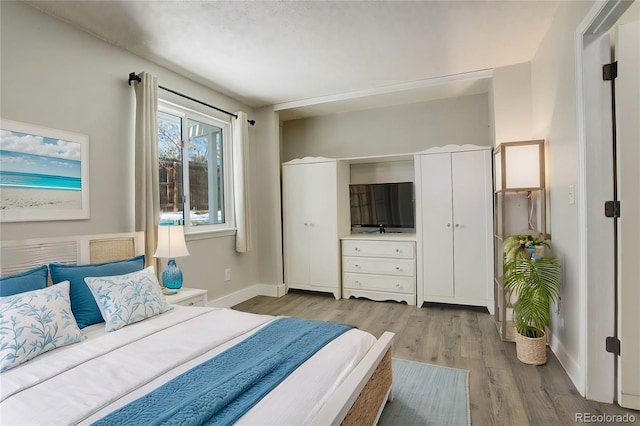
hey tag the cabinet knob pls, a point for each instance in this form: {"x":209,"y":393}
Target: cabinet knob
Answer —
{"x":398,"y":286}
{"x":457,"y":225}
{"x":306,"y":224}
{"x":356,"y":265}
{"x":397,"y":268}
{"x":356,"y":249}
{"x":448,"y":225}
{"x":397,"y":250}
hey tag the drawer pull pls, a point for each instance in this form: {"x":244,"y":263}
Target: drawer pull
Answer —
{"x":192,"y":303}
{"x":356,"y":249}
{"x":397,"y":268}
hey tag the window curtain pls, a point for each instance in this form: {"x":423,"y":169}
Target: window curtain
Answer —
{"x":241,"y":182}
{"x":147,"y":186}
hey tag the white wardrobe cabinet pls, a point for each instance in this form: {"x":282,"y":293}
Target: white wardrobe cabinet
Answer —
{"x":315,"y":196}
{"x":456,"y":225}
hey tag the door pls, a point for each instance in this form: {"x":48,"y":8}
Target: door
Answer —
{"x":627,"y":100}
{"x":321,"y":200}
{"x":470,"y":183}
{"x":600,"y":242}
{"x":296,"y":238}
{"x":437,"y":225}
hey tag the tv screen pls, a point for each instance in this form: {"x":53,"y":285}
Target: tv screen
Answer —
{"x":383,"y":205}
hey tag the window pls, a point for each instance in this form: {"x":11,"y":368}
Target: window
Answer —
{"x":194,"y":173}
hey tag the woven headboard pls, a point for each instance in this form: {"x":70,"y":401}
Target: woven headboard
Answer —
{"x":21,"y":255}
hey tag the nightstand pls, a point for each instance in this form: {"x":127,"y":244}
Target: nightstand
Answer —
{"x":188,"y":297}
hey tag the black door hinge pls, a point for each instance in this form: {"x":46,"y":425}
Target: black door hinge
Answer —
{"x":610,"y":71}
{"x":612,"y":208}
{"x":613,"y":345}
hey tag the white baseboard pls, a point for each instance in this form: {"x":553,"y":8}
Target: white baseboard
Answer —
{"x":273,"y":290}
{"x":574,"y":370}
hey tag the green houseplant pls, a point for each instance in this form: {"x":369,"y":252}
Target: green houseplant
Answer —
{"x":536,"y":281}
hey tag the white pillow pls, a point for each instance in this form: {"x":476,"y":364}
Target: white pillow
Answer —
{"x":129,"y":298}
{"x":36,"y":322}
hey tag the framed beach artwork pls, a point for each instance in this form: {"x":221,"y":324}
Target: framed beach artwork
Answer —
{"x":44,"y":173}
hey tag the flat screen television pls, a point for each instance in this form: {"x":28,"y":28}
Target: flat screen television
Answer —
{"x":382,"y":205}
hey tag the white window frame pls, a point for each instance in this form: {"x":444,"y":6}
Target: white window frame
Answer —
{"x":213,"y":230}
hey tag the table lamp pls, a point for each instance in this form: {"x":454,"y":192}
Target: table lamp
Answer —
{"x":171,"y":245}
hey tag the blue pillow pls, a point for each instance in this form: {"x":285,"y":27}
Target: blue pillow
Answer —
{"x":83,"y":304}
{"x":33,"y":279}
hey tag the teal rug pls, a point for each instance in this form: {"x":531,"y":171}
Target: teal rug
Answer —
{"x":425,"y":394}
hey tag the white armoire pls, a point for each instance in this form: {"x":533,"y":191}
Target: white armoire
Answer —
{"x":315,"y":200}
{"x":455,"y":225}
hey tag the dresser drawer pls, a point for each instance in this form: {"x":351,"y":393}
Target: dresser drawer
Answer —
{"x":392,"y":249}
{"x":193,"y":301}
{"x":379,"y":283}
{"x":188,"y":297}
{"x":372,"y":265}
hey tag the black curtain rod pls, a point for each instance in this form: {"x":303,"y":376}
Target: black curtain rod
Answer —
{"x":134,"y":77}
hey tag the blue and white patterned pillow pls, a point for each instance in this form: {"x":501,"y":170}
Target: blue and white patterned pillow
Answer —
{"x":35,"y":322}
{"x":129,"y":298}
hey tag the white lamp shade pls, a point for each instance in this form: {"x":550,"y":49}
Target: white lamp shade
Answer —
{"x":171,"y":242}
{"x":522,"y":166}
{"x":519,"y":165}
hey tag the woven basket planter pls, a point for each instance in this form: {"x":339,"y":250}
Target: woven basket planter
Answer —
{"x":531,"y":350}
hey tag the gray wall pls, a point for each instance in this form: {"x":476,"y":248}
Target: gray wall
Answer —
{"x":55,"y":76}
{"x":391,"y":130}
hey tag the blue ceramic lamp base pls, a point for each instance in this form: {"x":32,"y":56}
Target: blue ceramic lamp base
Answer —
{"x":172,"y":277}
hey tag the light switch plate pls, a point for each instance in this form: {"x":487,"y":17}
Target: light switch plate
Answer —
{"x":572,"y":194}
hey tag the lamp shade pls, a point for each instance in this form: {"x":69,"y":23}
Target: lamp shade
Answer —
{"x":519,"y":165}
{"x":171,"y":242}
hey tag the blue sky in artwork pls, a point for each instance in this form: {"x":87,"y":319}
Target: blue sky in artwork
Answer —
{"x":26,"y":153}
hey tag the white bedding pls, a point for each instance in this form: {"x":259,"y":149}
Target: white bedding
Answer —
{"x":85,"y":381}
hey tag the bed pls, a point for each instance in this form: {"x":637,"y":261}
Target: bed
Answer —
{"x":183,"y":351}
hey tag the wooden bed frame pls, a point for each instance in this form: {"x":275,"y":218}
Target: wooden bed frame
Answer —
{"x":359,"y":400}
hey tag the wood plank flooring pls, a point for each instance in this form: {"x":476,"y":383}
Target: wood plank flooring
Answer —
{"x":502,"y":391}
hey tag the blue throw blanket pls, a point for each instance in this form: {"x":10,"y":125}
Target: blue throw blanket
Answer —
{"x":219,"y":391}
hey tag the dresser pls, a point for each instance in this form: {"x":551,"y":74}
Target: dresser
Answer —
{"x":379,"y":267}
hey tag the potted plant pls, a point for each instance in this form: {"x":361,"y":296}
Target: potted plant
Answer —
{"x":536,"y":281}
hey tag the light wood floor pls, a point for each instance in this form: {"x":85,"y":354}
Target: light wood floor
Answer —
{"x":502,"y":390}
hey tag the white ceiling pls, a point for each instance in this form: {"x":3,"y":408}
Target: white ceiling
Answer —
{"x":315,"y":57}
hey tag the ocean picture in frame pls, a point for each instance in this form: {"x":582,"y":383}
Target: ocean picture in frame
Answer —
{"x":44,"y":173}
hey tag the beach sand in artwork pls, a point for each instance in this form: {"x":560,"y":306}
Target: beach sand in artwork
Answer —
{"x":41,"y":199}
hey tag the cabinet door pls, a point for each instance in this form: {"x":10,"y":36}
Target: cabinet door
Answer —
{"x":321,"y":204}
{"x":471,"y":179}
{"x":296,"y":229}
{"x":437,"y":224}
